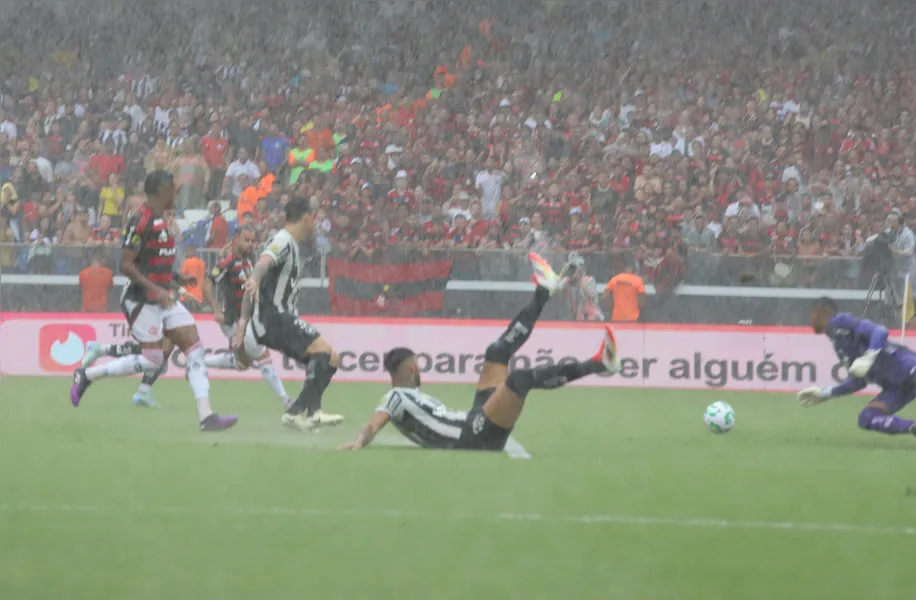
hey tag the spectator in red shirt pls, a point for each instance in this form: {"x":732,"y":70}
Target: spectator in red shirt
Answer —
{"x":215,"y":150}
{"x":105,"y":163}
{"x":460,"y":235}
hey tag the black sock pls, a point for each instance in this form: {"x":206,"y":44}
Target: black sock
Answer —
{"x":519,"y":330}
{"x":150,"y":378}
{"x":125,"y":349}
{"x":523,"y":381}
{"x":318,"y":376}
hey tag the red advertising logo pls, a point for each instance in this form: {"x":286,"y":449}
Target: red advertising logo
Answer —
{"x":61,"y":346}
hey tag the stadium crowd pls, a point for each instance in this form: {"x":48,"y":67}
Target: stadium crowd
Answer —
{"x":648,"y":130}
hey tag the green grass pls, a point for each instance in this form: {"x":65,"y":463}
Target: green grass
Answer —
{"x":114,"y":502}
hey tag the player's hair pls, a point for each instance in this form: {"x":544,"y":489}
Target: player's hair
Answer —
{"x":297,"y":208}
{"x":825,"y":302}
{"x":395,"y":357}
{"x":243,"y":229}
{"x":154,"y":180}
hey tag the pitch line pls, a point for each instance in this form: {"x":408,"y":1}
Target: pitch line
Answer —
{"x":582,"y":520}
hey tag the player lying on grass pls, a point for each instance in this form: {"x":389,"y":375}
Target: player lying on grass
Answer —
{"x":863,"y":347}
{"x":500,"y":394}
{"x":223,"y":292}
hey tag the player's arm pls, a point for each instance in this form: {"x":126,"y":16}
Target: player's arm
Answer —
{"x":131,"y":243}
{"x":379,"y":419}
{"x":815,"y":395}
{"x":877,"y":338}
{"x":208,"y":287}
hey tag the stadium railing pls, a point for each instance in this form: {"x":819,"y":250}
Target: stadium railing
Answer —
{"x":32,"y":264}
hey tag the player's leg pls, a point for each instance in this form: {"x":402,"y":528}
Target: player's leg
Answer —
{"x":227,"y":359}
{"x":253,"y":354}
{"x":144,"y":395}
{"x":180,"y":328}
{"x":96,"y":350}
{"x":145,"y":321}
{"x":492,"y":424}
{"x":321,"y":362}
{"x":498,"y":354}
{"x":879,"y":415}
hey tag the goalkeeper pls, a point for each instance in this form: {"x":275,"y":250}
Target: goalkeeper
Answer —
{"x":863,"y":348}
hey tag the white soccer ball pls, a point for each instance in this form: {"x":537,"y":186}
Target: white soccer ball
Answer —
{"x":719,"y":417}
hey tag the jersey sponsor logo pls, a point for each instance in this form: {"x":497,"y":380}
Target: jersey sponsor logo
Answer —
{"x":61,"y":346}
{"x":163,"y":236}
{"x":168,"y":251}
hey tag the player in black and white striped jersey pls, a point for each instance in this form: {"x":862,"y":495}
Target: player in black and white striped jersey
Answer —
{"x":500,"y":394}
{"x":270,"y":314}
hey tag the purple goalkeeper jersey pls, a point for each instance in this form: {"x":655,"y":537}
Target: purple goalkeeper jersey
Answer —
{"x":852,"y":337}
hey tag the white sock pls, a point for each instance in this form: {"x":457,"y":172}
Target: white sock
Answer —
{"x":273,"y":380}
{"x":143,"y":389}
{"x":221,"y":360}
{"x":199,"y":380}
{"x":126,"y":365}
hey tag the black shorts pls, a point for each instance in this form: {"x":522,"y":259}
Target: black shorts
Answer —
{"x":479,"y":432}
{"x":287,"y":334}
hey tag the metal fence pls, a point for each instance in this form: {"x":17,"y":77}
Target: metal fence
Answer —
{"x":701,"y":268}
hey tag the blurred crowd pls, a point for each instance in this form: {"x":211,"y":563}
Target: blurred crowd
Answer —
{"x":647,"y":130}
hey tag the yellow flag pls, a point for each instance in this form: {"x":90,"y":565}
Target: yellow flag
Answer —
{"x":909,"y":308}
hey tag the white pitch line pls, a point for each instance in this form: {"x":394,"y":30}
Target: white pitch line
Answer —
{"x":587,"y":520}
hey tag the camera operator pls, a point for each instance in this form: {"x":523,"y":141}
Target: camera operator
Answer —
{"x":902,"y":244}
{"x":581,"y":291}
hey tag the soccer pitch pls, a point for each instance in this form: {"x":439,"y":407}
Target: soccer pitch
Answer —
{"x":627,"y":496}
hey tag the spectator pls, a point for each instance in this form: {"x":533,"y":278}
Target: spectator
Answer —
{"x":217,"y":234}
{"x":627,"y":293}
{"x":194,"y":268}
{"x":241,"y":167}
{"x":191,"y":176}
{"x":95,"y":281}
{"x":699,"y":237}
{"x":111,"y":201}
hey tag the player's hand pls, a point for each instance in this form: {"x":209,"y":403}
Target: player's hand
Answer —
{"x":811,"y":396}
{"x":238,"y":336}
{"x":163,"y":297}
{"x":862,"y":365}
{"x":251,"y":288}
{"x":219,"y":317}
{"x":349,"y":446}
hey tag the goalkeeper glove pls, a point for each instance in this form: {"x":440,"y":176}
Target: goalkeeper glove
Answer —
{"x":813,"y":395}
{"x":862,"y":365}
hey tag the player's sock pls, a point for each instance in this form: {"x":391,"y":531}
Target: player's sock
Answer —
{"x":523,"y":381}
{"x":319,"y":373}
{"x":269,"y":373}
{"x":875,"y":419}
{"x":119,"y":350}
{"x":199,"y":380}
{"x":150,"y":377}
{"x":519,"y":330}
{"x":221,"y":360}
{"x":149,"y":360}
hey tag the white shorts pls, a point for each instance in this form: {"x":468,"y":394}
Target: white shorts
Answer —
{"x":253,"y":350}
{"x":148,"y":321}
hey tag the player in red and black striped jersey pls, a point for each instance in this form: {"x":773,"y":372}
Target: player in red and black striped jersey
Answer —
{"x":147,"y":260}
{"x":224,"y":291}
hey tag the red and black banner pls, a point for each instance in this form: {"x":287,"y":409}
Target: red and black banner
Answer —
{"x":399,"y":289}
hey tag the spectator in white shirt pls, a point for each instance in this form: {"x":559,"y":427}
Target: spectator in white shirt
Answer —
{"x":743,"y":208}
{"x":490,"y":184}
{"x":241,"y":166}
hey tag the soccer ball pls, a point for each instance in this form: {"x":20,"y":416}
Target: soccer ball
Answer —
{"x":719,"y":417}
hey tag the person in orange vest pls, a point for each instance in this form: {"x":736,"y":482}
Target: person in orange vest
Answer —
{"x":629,"y":294}
{"x":193,"y":268}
